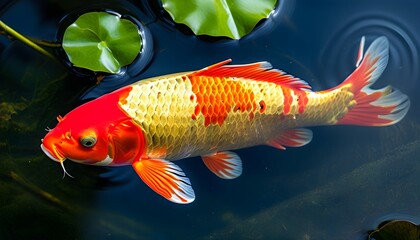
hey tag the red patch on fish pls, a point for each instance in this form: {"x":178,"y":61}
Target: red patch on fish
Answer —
{"x":302,"y":100}
{"x":288,"y":99}
{"x":216,"y":97}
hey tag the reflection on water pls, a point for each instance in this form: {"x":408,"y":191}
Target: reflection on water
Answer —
{"x":347,"y":181}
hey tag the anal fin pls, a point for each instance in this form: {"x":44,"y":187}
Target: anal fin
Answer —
{"x":291,"y":138}
{"x":226,"y":165}
{"x":166,"y":179}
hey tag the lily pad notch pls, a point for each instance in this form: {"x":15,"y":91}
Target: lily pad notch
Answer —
{"x":102,"y":42}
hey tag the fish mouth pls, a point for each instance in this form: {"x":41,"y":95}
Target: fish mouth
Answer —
{"x":55,"y":155}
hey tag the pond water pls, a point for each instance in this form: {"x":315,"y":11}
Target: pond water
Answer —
{"x":344,"y":183}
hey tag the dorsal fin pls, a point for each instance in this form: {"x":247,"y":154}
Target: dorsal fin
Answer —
{"x":260,"y":71}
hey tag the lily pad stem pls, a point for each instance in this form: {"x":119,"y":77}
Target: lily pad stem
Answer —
{"x":25,"y":40}
{"x":45,"y":43}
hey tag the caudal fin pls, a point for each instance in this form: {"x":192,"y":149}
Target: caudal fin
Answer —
{"x":372,"y":107}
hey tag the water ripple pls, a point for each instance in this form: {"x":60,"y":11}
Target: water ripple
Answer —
{"x":338,"y":57}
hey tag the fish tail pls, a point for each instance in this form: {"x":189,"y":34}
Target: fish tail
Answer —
{"x":373,"y":107}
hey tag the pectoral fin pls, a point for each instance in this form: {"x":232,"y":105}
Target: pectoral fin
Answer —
{"x":226,"y":165}
{"x":166,"y":179}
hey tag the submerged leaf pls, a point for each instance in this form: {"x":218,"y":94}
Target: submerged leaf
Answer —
{"x":101,"y":41}
{"x":396,"y":230}
{"x":230,"y":18}
{"x":6,"y":112}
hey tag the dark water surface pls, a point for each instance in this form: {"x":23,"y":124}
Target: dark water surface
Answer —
{"x":344,"y":183}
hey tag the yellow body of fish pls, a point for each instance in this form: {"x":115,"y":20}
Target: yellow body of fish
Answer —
{"x":164,"y":108}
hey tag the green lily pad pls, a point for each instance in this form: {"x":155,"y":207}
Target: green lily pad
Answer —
{"x":229,"y":18}
{"x":102,"y":42}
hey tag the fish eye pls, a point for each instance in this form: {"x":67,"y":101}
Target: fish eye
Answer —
{"x":88,"y":141}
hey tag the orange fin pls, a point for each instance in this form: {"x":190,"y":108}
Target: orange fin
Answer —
{"x":226,"y":165}
{"x":166,"y":179}
{"x":372,"y":107}
{"x":291,"y":138}
{"x":260,"y":71}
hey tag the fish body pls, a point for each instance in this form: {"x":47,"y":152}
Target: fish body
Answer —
{"x":209,"y":112}
{"x":197,"y":113}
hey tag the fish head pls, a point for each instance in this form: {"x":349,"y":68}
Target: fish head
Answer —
{"x":96,"y":133}
{"x":76,"y":139}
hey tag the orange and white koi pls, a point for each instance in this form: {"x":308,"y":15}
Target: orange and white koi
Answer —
{"x":207,"y":113}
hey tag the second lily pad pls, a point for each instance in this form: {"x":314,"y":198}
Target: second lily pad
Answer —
{"x":230,"y":18}
{"x":102,"y":42}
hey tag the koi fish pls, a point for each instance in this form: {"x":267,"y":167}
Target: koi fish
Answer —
{"x":151,"y":123}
